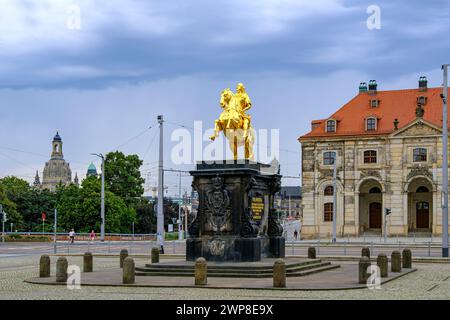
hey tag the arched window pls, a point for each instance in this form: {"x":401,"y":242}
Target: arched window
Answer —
{"x":331,"y":125}
{"x":370,"y":156}
{"x":371,"y":124}
{"x":422,"y":189}
{"x":328,"y":211}
{"x":328,"y":158}
{"x":375,"y":190}
{"x":328,"y":191}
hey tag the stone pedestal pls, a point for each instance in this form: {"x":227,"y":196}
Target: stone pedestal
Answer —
{"x":44,"y":266}
{"x":236,"y":220}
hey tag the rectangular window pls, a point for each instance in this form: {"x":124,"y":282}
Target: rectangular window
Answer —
{"x":370,"y":156}
{"x":331,"y":126}
{"x":328,"y":158}
{"x":328,"y":212}
{"x":374,"y":103}
{"x":420,"y":155}
{"x":371,"y":124}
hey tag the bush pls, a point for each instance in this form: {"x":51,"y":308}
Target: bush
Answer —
{"x":20,"y":238}
{"x":171,"y":236}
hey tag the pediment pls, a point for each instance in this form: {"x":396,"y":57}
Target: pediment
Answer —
{"x":418,"y":127}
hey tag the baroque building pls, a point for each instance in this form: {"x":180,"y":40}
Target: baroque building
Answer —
{"x":56,"y":170}
{"x":388,"y":150}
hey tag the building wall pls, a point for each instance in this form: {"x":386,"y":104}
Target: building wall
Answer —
{"x":395,"y":174}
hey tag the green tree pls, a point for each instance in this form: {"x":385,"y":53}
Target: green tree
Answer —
{"x":10,"y":208}
{"x":122,"y":176}
{"x":79,"y":208}
{"x":145,"y":217}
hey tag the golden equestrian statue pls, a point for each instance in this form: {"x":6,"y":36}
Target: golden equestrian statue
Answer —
{"x":234,"y":122}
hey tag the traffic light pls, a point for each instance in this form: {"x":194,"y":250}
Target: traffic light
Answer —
{"x":387,"y":211}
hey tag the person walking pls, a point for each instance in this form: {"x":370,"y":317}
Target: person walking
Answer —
{"x":92,"y":235}
{"x":72,"y":236}
{"x":295,"y":234}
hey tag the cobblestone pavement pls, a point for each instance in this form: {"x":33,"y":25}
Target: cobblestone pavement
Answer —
{"x":431,"y":281}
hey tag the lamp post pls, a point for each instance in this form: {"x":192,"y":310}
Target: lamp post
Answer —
{"x":444,"y":164}
{"x":334,"y":195}
{"x":160,"y":208}
{"x":102,"y":209}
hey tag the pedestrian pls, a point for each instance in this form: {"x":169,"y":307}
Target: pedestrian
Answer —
{"x":295,"y":234}
{"x":72,"y":236}
{"x":92,"y":235}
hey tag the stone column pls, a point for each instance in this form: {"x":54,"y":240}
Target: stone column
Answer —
{"x":311,"y":253}
{"x":201,"y":272}
{"x":128,"y":271}
{"x":407,"y":259}
{"x":396,"y":262}
{"x":155,"y":255}
{"x":279,"y":274}
{"x":88,"y":262}
{"x":123,"y":255}
{"x":365,"y":252}
{"x":364,"y":263}
{"x":61,"y":269}
{"x":382,"y":263}
{"x":44,"y":266}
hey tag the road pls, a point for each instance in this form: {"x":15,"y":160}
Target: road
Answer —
{"x":178,"y":247}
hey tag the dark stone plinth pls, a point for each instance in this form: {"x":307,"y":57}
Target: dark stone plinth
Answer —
{"x":276,"y":247}
{"x":365,"y":252}
{"x":224,"y":249}
{"x":235,"y":220}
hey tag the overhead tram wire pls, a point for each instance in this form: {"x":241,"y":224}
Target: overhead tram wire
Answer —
{"x":133,"y":138}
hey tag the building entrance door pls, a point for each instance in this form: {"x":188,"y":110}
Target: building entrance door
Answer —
{"x":422,"y":215}
{"x":375,"y":215}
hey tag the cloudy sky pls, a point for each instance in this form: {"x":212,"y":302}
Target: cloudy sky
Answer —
{"x":101,"y":71}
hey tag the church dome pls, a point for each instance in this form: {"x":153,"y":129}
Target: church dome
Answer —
{"x":57,"y":137}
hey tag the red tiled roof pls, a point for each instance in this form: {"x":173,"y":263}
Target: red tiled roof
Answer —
{"x":394,"y":104}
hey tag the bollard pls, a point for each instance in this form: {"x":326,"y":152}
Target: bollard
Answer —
{"x":429,"y":249}
{"x":61,"y":269}
{"x":201,"y":272}
{"x":123,"y":255}
{"x":279,"y":274}
{"x":407,"y":259}
{"x":364,"y":263}
{"x":128,"y":271}
{"x":396,"y":262}
{"x":44,"y":266}
{"x":365,"y":252}
{"x":382,"y":263}
{"x":88,"y":262}
{"x":155,"y":255}
{"x":311,"y":253}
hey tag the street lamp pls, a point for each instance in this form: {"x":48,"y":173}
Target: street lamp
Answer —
{"x":444,"y":164}
{"x":102,"y":212}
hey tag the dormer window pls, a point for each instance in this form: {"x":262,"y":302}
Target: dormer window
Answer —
{"x":331,"y":125}
{"x":371,"y":124}
{"x":374,"y":103}
{"x":422,"y":100}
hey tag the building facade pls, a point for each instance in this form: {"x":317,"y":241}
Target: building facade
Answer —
{"x":388,"y":151}
{"x":57,"y":170}
{"x":288,"y":201}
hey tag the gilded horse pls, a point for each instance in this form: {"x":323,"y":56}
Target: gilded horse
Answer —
{"x":234,"y":122}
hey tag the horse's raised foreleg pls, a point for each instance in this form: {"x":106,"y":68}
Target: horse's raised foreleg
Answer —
{"x":217,"y":129}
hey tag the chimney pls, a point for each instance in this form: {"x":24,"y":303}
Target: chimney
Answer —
{"x":362,"y":87}
{"x":373,"y":86}
{"x":423,"y":83}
